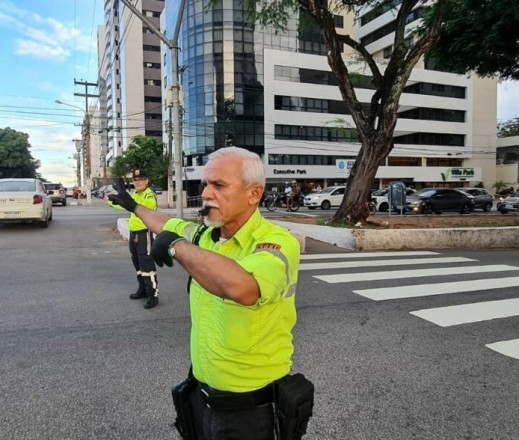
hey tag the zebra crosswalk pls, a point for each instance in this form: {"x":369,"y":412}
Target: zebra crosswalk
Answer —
{"x":443,"y":266}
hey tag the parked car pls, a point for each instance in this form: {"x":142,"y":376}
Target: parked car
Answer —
{"x":381,"y":198}
{"x":56,"y":192}
{"x":69,"y":192}
{"x":326,"y":198}
{"x":508,"y":204}
{"x":24,"y":200}
{"x":156,"y":189}
{"x":438,"y":200}
{"x":482,"y":198}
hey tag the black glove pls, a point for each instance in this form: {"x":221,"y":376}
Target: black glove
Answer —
{"x":161,"y":246}
{"x":122,"y":198}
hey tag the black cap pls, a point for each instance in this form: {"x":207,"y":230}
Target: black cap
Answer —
{"x":139,"y":173}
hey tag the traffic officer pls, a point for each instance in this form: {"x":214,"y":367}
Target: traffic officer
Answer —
{"x":141,"y":240}
{"x":242,"y":296}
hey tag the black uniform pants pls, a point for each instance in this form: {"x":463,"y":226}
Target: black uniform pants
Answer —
{"x":250,"y":424}
{"x":140,"y":249}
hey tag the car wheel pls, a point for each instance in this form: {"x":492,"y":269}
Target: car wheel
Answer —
{"x":383,"y":207}
{"x":487,"y":207}
{"x":503,"y":211}
{"x":428,"y":209}
{"x":325,"y":205}
{"x":50,"y":217}
{"x":64,"y":202}
{"x":45,"y":223}
{"x":465,"y":209}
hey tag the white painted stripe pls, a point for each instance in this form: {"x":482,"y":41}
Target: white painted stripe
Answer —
{"x":378,"y":263}
{"x":419,"y":290}
{"x":351,"y":255}
{"x":467,"y":313}
{"x":416,"y":273}
{"x":508,"y":348}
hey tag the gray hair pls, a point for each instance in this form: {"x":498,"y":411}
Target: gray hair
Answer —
{"x":253,"y":172}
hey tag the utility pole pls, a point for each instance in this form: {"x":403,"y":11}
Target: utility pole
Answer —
{"x":174,"y":104}
{"x":86,"y":137}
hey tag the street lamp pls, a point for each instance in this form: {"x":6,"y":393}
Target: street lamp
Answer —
{"x":86,"y":144}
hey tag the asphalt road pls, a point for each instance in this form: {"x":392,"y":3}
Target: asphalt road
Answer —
{"x":79,"y":360}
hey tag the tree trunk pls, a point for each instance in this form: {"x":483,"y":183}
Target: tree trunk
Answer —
{"x":354,"y":208}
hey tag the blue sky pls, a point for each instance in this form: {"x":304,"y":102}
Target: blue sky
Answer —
{"x":45,"y":45}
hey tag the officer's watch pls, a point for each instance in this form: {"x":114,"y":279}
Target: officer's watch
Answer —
{"x":171,"y":250}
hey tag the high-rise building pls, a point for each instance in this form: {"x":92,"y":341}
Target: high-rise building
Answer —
{"x":130,"y":83}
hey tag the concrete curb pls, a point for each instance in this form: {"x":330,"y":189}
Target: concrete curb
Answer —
{"x":455,"y":238}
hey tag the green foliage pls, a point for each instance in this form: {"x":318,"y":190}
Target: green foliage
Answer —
{"x":508,"y":128}
{"x":499,"y":185}
{"x":480,"y":36}
{"x":146,"y":153}
{"x":15,"y":157}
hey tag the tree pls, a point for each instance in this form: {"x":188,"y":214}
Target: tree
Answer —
{"x":143,"y":152}
{"x":375,"y":126}
{"x":480,"y":36}
{"x":508,"y":128}
{"x":500,"y":185}
{"x":15,"y":157}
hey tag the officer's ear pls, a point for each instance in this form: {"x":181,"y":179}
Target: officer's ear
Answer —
{"x":255,"y":193}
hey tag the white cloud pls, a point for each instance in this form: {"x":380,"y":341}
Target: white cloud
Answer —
{"x":43,"y":37}
{"x":40,"y":50}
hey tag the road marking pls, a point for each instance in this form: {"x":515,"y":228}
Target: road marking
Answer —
{"x":468,"y":313}
{"x":365,"y":255}
{"x":508,"y":348}
{"x":378,"y":263}
{"x":392,"y":292}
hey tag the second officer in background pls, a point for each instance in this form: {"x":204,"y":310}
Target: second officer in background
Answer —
{"x":140,"y":242}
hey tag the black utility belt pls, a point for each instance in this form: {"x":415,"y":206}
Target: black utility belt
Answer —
{"x":229,"y":401}
{"x":140,"y":230}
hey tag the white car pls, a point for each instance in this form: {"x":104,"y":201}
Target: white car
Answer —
{"x":326,"y":198}
{"x":381,"y":199}
{"x":24,"y":200}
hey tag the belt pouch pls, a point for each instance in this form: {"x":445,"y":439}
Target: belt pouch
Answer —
{"x":184,"y":422}
{"x":294,"y":405}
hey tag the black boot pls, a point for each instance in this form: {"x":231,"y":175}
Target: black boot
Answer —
{"x":140,"y":294}
{"x":153,"y":300}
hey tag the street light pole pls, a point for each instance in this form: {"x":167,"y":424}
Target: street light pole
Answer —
{"x":177,"y":146}
{"x":85,"y":136}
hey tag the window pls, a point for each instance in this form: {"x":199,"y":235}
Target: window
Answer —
{"x":339,"y":21}
{"x":307,"y":133}
{"x":151,"y":47}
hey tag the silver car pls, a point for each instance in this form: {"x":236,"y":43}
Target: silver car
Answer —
{"x":56,"y":191}
{"x":24,"y":200}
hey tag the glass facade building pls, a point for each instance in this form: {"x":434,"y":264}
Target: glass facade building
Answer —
{"x":221,"y":60}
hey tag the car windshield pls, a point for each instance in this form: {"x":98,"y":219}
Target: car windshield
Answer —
{"x":52,"y":186}
{"x":425,"y":192}
{"x":380,"y":192}
{"x":327,"y":190}
{"x":14,"y":186}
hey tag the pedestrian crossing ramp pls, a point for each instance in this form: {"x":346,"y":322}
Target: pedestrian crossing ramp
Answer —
{"x":380,"y":266}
